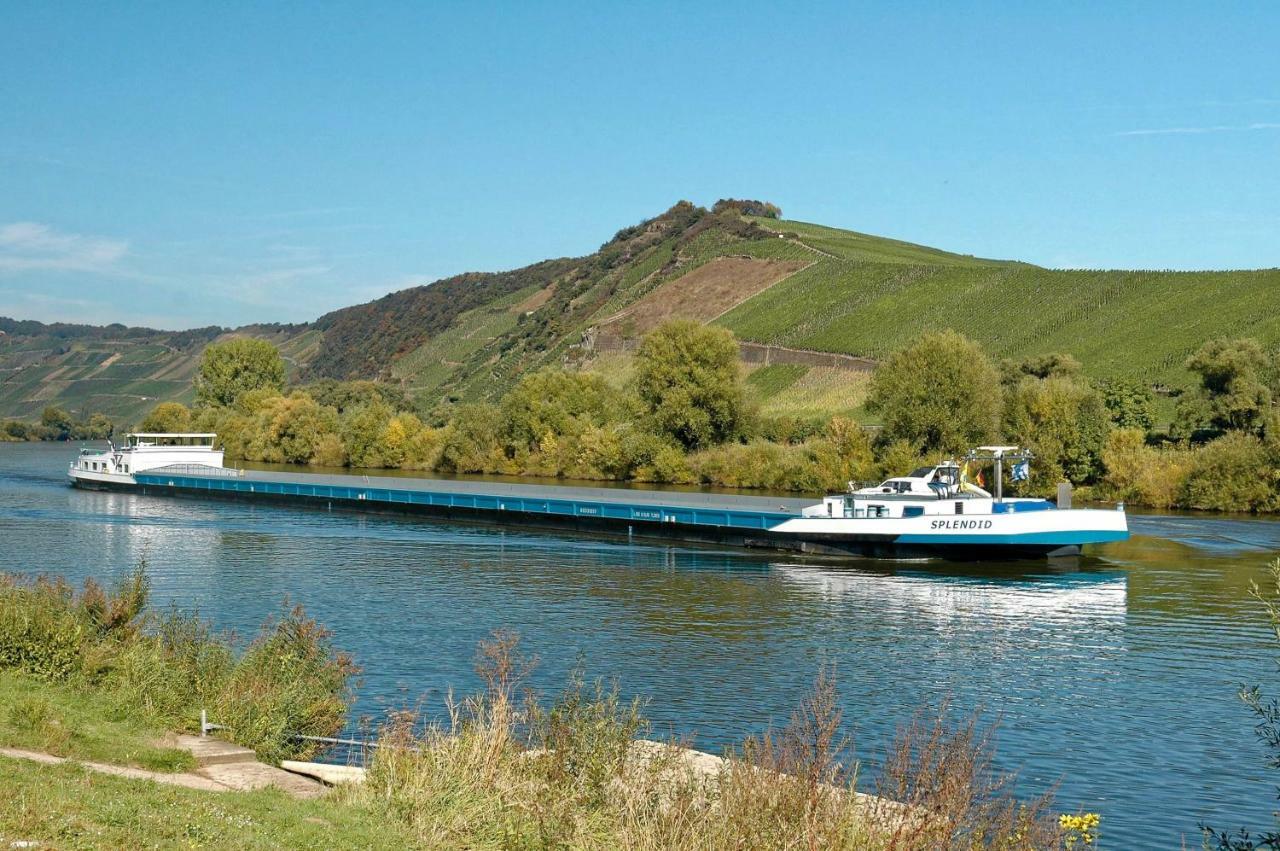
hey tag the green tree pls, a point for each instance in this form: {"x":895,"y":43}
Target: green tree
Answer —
{"x":687,"y":378}
{"x":167,"y":417}
{"x":295,"y":428}
{"x":555,"y":402}
{"x":939,"y":394}
{"x":1233,"y":393}
{"x":1056,"y":364}
{"x":1130,"y":404}
{"x":57,"y":423}
{"x":98,"y":427}
{"x":1064,"y":421}
{"x":363,"y":433}
{"x":229,"y":369}
{"x":471,"y":443}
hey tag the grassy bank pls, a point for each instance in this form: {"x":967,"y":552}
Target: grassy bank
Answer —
{"x":68,"y":807}
{"x":81,"y":723}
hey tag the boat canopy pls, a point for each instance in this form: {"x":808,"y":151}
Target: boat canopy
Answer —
{"x":176,"y":438}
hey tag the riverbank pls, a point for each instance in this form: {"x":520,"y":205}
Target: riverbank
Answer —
{"x":94,"y":675}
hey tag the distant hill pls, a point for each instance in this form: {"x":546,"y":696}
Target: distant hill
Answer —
{"x":121,"y":372}
{"x":782,"y":285}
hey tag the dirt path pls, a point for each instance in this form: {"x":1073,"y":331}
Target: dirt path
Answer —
{"x":222,"y":767}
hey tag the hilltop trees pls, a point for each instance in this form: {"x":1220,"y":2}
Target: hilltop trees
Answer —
{"x":230,"y":369}
{"x":941,"y":394}
{"x":748,"y":207}
{"x":687,"y":379}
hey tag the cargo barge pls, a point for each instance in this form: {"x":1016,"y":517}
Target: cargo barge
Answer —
{"x":933,"y":512}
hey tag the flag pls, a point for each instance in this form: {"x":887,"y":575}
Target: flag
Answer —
{"x":1020,"y":472}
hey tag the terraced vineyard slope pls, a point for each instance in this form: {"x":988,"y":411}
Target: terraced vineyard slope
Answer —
{"x":1132,"y":324}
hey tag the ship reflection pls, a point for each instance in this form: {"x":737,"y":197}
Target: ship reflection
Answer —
{"x":939,"y":597}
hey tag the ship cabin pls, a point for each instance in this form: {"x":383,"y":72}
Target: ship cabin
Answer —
{"x":149,"y":450}
{"x":938,"y":489}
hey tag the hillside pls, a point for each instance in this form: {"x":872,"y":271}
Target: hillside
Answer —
{"x":790,"y":290}
{"x":118,"y":371}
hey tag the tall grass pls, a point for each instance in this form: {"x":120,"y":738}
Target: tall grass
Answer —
{"x":165,"y":668}
{"x":505,"y":770}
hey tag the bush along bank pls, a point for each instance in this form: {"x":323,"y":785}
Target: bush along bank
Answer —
{"x":160,"y":670}
{"x":687,"y":417}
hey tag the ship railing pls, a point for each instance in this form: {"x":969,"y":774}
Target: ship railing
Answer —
{"x":203,"y":470}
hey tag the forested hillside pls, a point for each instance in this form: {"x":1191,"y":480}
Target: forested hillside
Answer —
{"x":771,"y":281}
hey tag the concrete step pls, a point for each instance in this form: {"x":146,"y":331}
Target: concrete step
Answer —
{"x":243,"y":776}
{"x":211,"y":751}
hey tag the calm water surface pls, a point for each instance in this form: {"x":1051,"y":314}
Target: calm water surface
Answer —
{"x":1114,"y":679}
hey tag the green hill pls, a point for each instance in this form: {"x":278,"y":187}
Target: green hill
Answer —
{"x":1132,"y":324}
{"x":777,"y":283}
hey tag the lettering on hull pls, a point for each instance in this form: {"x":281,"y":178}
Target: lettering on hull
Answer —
{"x":961,"y":524}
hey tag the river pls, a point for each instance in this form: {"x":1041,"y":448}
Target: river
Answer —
{"x":1113,"y":679}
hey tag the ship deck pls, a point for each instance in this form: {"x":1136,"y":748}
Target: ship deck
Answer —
{"x":693,"y":508}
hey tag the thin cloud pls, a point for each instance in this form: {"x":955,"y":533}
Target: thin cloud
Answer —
{"x":1213,"y":128}
{"x":31,"y":245}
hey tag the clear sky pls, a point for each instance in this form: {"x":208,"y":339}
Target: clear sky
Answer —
{"x":183,"y":164}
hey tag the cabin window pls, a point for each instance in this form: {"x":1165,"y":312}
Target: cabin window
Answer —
{"x":913,"y":511}
{"x":959,"y":508}
{"x":877,"y":511}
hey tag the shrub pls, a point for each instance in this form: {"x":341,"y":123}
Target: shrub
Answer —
{"x":1142,"y":474}
{"x":50,"y":632}
{"x":1233,"y":473}
{"x":288,"y":681}
{"x":167,"y":417}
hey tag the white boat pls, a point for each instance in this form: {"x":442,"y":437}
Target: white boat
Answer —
{"x":115,"y":466}
{"x":937,"y":510}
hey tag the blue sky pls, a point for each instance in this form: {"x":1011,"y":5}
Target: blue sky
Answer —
{"x":182,"y":164}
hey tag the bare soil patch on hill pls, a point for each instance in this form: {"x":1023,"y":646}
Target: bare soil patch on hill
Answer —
{"x":702,"y":295}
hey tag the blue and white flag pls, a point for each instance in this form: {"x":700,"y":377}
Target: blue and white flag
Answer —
{"x":1020,"y":472}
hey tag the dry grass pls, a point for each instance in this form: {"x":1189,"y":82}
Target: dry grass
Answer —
{"x":506,"y":771}
{"x":703,"y":294}
{"x":822,"y":391}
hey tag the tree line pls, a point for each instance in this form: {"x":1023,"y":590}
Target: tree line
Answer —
{"x":685,"y":417}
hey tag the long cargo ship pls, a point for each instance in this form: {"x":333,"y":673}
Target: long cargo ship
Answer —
{"x":935,"y":511}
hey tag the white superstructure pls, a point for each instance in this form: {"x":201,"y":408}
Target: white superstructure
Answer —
{"x":939,"y":507}
{"x":141,"y":451}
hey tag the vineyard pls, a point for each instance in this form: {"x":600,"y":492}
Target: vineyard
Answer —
{"x":1139,"y":325}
